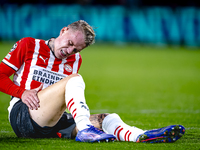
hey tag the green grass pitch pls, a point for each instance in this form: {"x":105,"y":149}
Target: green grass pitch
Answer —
{"x":149,"y":87}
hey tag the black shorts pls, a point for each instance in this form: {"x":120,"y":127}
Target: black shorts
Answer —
{"x":24,"y":126}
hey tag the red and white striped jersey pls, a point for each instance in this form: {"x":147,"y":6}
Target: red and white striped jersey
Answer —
{"x":35,"y":63}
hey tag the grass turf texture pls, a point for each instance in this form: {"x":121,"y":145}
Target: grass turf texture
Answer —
{"x":149,"y":87}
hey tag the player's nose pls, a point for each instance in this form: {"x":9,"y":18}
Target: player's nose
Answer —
{"x":70,"y":50}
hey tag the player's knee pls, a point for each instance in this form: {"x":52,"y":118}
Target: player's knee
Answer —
{"x":75,"y":80}
{"x":109,"y":117}
{"x":114,"y":115}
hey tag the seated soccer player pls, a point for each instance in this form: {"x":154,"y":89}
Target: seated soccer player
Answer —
{"x":38,"y":65}
{"x":46,"y":83}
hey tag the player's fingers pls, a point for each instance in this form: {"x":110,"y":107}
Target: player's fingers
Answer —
{"x":32,"y":102}
{"x":35,"y":102}
{"x":33,"y":106}
{"x":30,"y":98}
{"x":33,"y":96}
{"x":28,"y":104}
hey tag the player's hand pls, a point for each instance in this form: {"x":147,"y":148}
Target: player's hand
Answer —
{"x":30,"y":98}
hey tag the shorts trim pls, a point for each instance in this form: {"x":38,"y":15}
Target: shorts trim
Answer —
{"x":13,"y":101}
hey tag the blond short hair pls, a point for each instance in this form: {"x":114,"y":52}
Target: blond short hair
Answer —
{"x":86,"y":29}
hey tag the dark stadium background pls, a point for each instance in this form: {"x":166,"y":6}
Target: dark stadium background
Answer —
{"x":177,"y":22}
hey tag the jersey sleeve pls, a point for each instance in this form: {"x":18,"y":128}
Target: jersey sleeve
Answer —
{"x":9,"y":65}
{"x":15,"y":58}
{"x":7,"y":86}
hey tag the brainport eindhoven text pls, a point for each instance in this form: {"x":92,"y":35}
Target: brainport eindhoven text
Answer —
{"x":47,"y":77}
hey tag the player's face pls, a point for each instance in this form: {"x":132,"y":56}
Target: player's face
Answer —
{"x":68,"y":43}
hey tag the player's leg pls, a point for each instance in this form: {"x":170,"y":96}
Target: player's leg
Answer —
{"x":113,"y":124}
{"x":96,"y":120}
{"x":67,"y":93}
{"x":52,"y":103}
{"x":76,"y":104}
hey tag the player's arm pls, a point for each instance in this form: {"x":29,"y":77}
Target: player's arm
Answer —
{"x":29,"y":97}
{"x":7,"y":86}
{"x":9,"y":65}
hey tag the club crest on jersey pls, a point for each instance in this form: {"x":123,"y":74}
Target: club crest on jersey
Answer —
{"x":8,"y":56}
{"x":68,"y":68}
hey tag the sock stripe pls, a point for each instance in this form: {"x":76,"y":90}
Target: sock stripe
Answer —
{"x":70,"y":106}
{"x":119,"y":133}
{"x":74,"y":115}
{"x":125,"y":135}
{"x":116,"y":130}
{"x":129,"y":136}
{"x":73,"y":111}
{"x":69,"y":103}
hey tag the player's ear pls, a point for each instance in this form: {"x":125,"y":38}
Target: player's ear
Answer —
{"x":63,"y":30}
